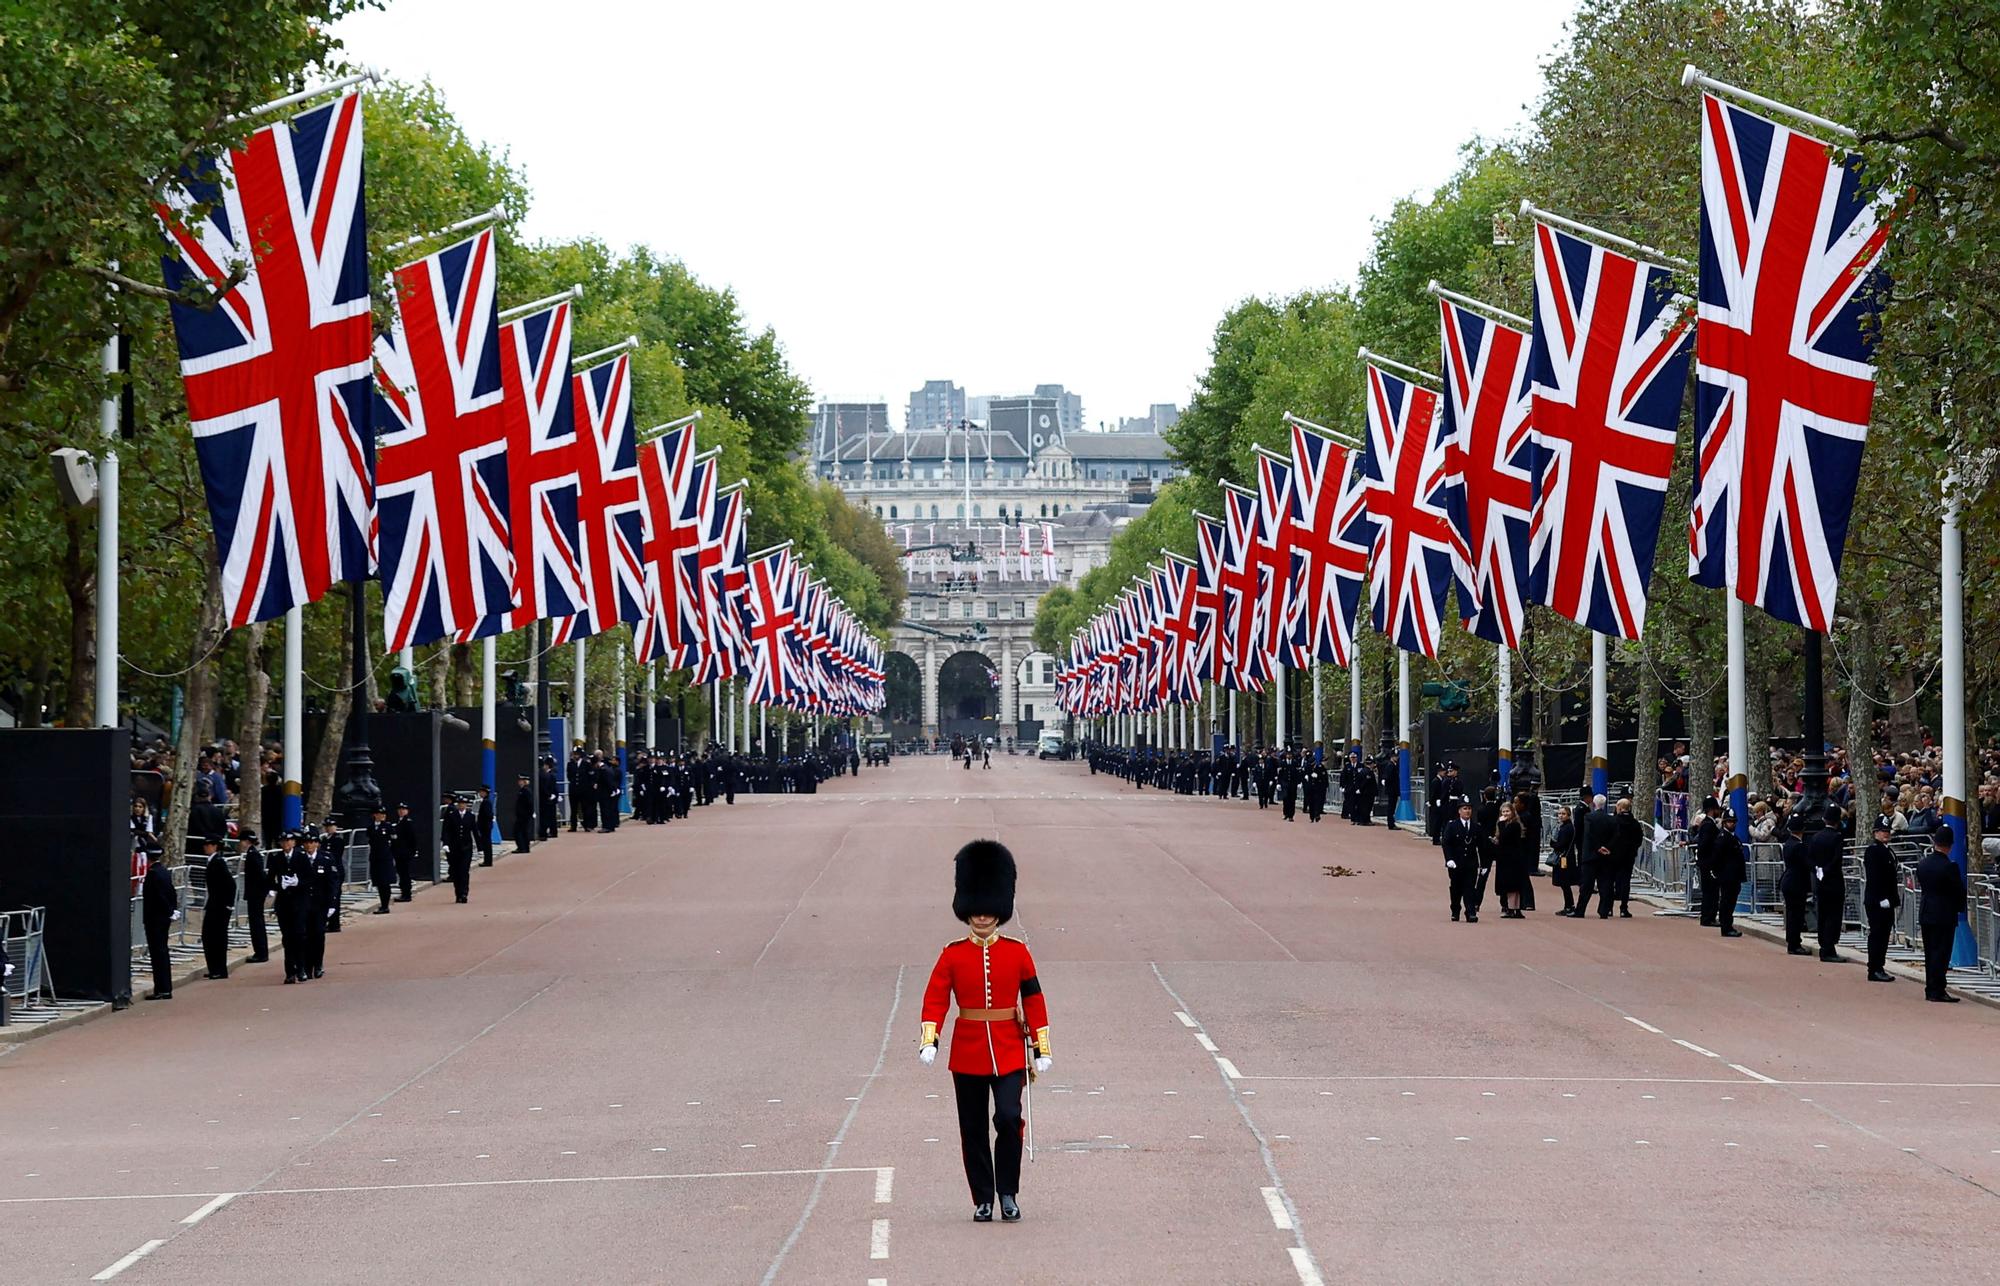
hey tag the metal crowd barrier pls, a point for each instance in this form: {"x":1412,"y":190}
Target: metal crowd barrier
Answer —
{"x":30,"y":982}
{"x":177,"y":931}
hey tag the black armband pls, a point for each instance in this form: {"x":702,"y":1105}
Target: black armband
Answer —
{"x":1031,"y":987}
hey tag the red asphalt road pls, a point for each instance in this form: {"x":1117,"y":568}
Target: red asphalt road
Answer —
{"x":687,"y":1054}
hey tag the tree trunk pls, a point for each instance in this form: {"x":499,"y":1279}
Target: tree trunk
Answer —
{"x":440,"y":693}
{"x":326,"y":763}
{"x":463,"y":673}
{"x":1646,"y":753}
{"x":37,"y":694}
{"x":1904,"y":734}
{"x":250,"y":734}
{"x":1701,"y":740}
{"x":79,"y":587}
{"x":1757,"y":729}
{"x":1861,"y":722}
{"x":210,"y":626}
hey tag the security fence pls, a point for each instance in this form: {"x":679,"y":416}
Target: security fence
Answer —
{"x":30,"y":983}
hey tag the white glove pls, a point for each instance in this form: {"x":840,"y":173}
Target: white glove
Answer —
{"x":9,"y":973}
{"x":927,"y":1055}
{"x":1450,"y":865}
{"x":175,"y":916}
{"x":1042,"y":1063}
{"x":1885,"y":904}
{"x":1819,"y":873}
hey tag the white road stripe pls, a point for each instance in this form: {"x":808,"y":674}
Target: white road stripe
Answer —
{"x":878,"y":1240}
{"x":1755,"y":1076}
{"x":1201,"y":1039}
{"x":1641,"y":1023}
{"x":1229,"y":1069}
{"x":214,"y":1204}
{"x":1308,"y":1275}
{"x":1688,"y":1044}
{"x":1185,"y":1020}
{"x":128,"y":1261}
{"x":878,"y":1281}
{"x":885,"y":1178}
{"x":1280,"y":1217}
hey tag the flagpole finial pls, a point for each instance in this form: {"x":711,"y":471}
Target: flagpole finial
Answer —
{"x":1432,"y":286}
{"x":1689,"y":75}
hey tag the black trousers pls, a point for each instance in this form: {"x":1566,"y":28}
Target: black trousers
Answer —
{"x":260,"y":942}
{"x":460,"y":865}
{"x":1621,"y":872}
{"x":992,"y":1165}
{"x":1725,"y":905}
{"x":1598,"y":879}
{"x":292,"y":930}
{"x":403,"y":873}
{"x":1795,"y":917}
{"x":1879,"y":921}
{"x":1463,"y":881}
{"x":385,"y":890}
{"x":215,"y":943}
{"x":1708,"y":900}
{"x":1830,"y":911}
{"x":163,"y":965}
{"x":315,"y":935}
{"x":1937,"y":955}
{"x":1475,"y":895}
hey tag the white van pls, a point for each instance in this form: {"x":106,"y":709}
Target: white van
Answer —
{"x":1050,"y":746}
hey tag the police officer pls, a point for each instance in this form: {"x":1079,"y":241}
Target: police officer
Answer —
{"x":1728,"y":870}
{"x":160,"y":906}
{"x":545,"y":789}
{"x":1881,"y":894}
{"x":1796,"y":886}
{"x":218,"y":905}
{"x":524,"y":813}
{"x":482,"y":830}
{"x":258,"y":883}
{"x":290,"y":875}
{"x":322,"y":895}
{"x":404,"y":848}
{"x":333,"y":845}
{"x":459,"y":841}
{"x":382,"y":856}
{"x":1941,"y":900}
{"x":1704,"y":853}
{"x":1461,"y":862}
{"x":1829,"y":887}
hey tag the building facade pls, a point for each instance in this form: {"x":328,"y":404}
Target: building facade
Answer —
{"x":938,"y":404}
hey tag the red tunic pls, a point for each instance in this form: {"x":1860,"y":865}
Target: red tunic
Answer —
{"x":997,"y":973}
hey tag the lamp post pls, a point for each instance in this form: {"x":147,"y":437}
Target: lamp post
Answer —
{"x":359,"y":795}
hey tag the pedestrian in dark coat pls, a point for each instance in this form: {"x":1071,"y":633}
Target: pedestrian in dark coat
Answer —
{"x":1829,"y":887}
{"x":333,"y":847}
{"x":1625,"y":854}
{"x":1703,"y":842}
{"x":382,"y":856}
{"x":1315,"y":791}
{"x":524,"y":813}
{"x":1796,"y":887}
{"x":459,"y":844}
{"x":1599,"y":857}
{"x":322,"y":894}
{"x":1563,"y":869}
{"x":289,"y":875}
{"x":218,"y":905}
{"x":404,"y":848}
{"x":1881,"y":894}
{"x":1288,"y":785}
{"x":258,"y":883}
{"x":1726,"y":862}
{"x":1940,"y":901}
{"x":160,"y":906}
{"x":482,"y":832}
{"x":1512,"y":863}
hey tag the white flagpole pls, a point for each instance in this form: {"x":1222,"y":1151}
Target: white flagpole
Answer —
{"x":489,"y":725}
{"x":652,"y":701}
{"x":107,"y":547}
{"x":1504,"y":664}
{"x":1738,"y":784}
{"x":763,"y":729}
{"x":1319,"y":709}
{"x":618,"y":704}
{"x":1964,"y":951}
{"x":1279,"y":703}
{"x":294,"y":814}
{"x":1405,"y":811}
{"x":1354,"y":701}
{"x":1600,"y":717}
{"x":578,"y":707}
{"x":1232,"y":716}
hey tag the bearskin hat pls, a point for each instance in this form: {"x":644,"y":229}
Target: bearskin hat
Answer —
{"x":984,"y":881}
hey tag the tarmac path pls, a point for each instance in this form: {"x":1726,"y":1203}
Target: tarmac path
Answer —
{"x":687,"y":1054}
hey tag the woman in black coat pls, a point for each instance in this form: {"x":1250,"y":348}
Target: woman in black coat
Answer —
{"x":1512,"y":861}
{"x":1564,"y":871}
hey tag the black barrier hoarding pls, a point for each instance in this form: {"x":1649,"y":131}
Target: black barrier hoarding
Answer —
{"x":65,"y":795}
{"x":462,"y":765}
{"x":405,"y":747}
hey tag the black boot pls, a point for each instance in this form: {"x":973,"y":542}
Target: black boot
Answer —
{"x":983,"y":1212}
{"x":1010,"y":1211}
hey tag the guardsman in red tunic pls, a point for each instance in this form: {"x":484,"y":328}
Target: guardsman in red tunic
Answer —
{"x":1001,"y":1013}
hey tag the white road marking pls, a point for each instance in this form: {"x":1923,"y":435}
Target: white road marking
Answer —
{"x":1640,"y":1023}
{"x":1688,"y":1044}
{"x":1201,"y":1039}
{"x":878,"y":1281}
{"x":1755,"y":1076}
{"x":215,"y":1203}
{"x":1280,"y":1217}
{"x":878,"y":1240}
{"x":1185,"y":1020}
{"x":1302,"y":1261}
{"x":1229,"y":1070}
{"x":129,"y":1260}
{"x":885,"y":1180}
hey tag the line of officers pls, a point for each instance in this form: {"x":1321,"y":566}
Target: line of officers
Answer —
{"x":1286,"y":778}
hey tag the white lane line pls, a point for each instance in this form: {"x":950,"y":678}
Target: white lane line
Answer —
{"x":1201,"y":1039}
{"x":1755,"y":1076}
{"x":878,"y":1240}
{"x":1302,"y":1261}
{"x":129,"y":1260}
{"x":878,"y":1281}
{"x":853,"y":1109}
{"x":1229,"y":1069}
{"x":1185,"y":1020}
{"x":215,"y":1203}
{"x":1280,"y":1217}
{"x":1637,"y":1022}
{"x":885,"y":1180}
{"x":1688,"y":1044}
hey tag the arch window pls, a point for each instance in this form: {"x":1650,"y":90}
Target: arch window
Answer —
{"x":892,"y":511}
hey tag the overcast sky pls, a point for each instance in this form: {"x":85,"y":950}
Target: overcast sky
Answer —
{"x":1000,"y":195}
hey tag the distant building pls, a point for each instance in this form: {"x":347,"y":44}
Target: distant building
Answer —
{"x":937,"y":404}
{"x":838,"y":422}
{"x":1159,"y":417}
{"x":1069,"y":406}
{"x":1032,"y":421}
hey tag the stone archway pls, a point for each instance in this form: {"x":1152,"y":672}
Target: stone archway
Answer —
{"x":968,"y":695}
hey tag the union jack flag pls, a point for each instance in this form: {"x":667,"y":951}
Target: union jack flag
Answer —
{"x":1331,"y":530}
{"x":1181,"y":622}
{"x":773,"y":623}
{"x":1609,"y":358}
{"x":1407,"y":489}
{"x":1486,"y":400}
{"x":1213,"y":660}
{"x":723,"y":576}
{"x":678,"y":488}
{"x":1785,"y":379}
{"x":1246,"y":589}
{"x":609,"y":508}
{"x":541,"y":470}
{"x":277,"y":373}
{"x":441,"y":488}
